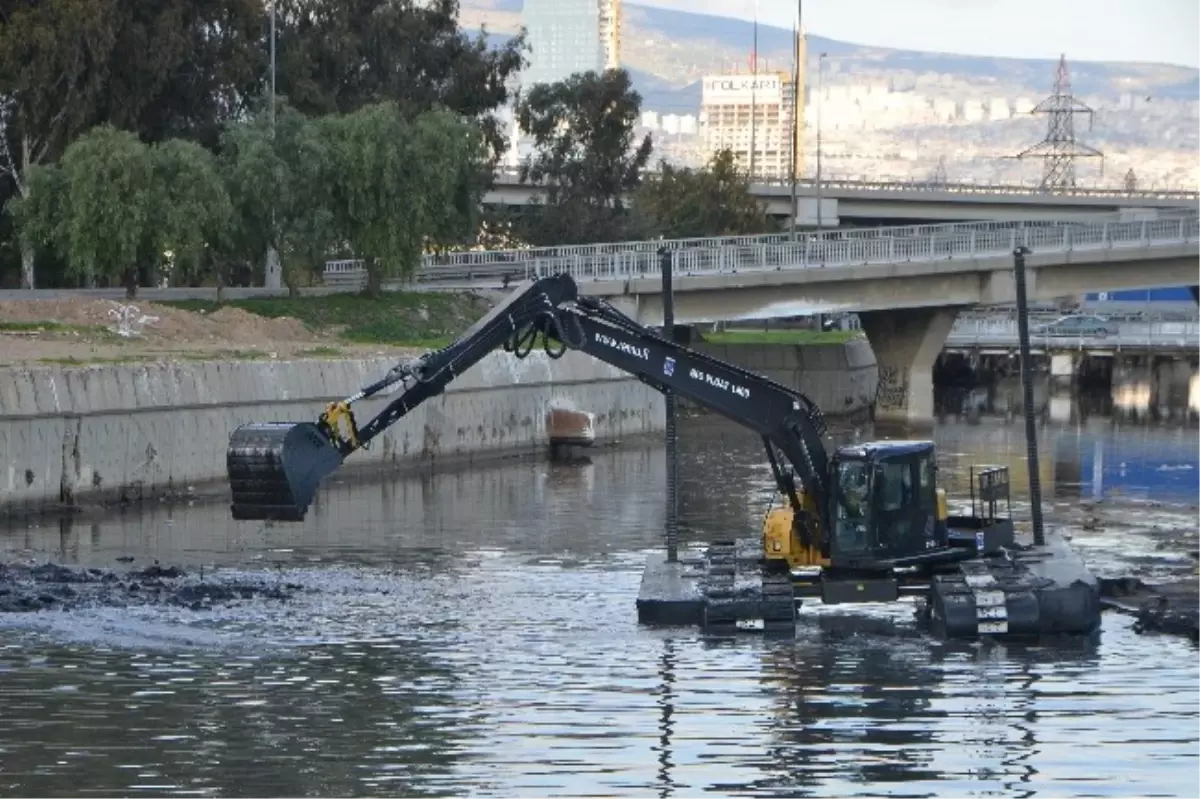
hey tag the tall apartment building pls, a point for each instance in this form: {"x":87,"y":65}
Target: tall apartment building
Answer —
{"x":569,"y":36}
{"x":746,"y":113}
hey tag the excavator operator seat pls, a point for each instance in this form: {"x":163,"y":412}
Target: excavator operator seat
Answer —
{"x":886,"y":503}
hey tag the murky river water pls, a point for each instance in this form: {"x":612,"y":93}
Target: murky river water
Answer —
{"x":475,"y":634}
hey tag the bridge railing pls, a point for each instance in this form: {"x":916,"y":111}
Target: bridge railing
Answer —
{"x":824,"y":252}
{"x":484,"y":258}
{"x":509,"y":176}
{"x":828,"y":249}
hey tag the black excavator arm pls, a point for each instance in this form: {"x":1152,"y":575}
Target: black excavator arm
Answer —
{"x":275,"y":467}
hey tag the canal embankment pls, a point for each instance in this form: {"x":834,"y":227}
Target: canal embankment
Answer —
{"x":120,"y":433}
{"x":123,"y":433}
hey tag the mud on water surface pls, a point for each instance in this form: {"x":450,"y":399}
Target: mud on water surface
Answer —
{"x":48,"y":586}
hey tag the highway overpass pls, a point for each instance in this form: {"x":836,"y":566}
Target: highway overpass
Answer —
{"x":874,"y":203}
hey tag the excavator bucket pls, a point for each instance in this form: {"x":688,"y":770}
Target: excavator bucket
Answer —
{"x":275,"y":468}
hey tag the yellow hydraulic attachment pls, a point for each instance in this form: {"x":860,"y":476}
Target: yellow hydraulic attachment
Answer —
{"x":331,"y":420}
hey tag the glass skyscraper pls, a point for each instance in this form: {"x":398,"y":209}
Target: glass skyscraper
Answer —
{"x":569,"y":36}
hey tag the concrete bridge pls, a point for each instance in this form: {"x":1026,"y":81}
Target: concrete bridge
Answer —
{"x":907,"y":286}
{"x":882,"y":202}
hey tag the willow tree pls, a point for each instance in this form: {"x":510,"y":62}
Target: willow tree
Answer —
{"x":192,"y":214}
{"x":113,"y":207}
{"x":274,"y":174}
{"x":396,"y":185}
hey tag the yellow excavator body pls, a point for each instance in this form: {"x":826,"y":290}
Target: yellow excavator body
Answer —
{"x":783,"y":542}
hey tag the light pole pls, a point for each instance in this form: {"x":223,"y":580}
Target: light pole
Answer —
{"x":754,"y":94}
{"x":272,"y":276}
{"x":272,"y":67}
{"x":797,"y":103}
{"x":820,"y":102}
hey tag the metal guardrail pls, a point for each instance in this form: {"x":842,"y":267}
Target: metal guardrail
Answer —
{"x":512,"y":175}
{"x":486,"y":257}
{"x":1002,"y":333}
{"x":832,"y":250}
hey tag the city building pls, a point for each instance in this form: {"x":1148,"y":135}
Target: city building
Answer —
{"x":751,"y":115}
{"x":569,"y":36}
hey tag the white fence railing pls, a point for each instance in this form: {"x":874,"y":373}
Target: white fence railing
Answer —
{"x":824,"y":250}
{"x":508,"y":176}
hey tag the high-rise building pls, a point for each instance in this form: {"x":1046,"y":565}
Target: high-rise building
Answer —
{"x":746,"y":114}
{"x":569,"y":36}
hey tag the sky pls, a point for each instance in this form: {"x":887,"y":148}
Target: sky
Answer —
{"x":1161,"y":31}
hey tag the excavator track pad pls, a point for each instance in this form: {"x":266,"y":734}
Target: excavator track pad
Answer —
{"x":275,"y":468}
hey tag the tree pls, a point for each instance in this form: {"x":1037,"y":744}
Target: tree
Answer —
{"x":396,"y":187}
{"x":113,"y":206}
{"x":584,"y":155}
{"x":337,"y":56}
{"x":274,"y":179}
{"x":690,"y":203}
{"x":159,"y":68}
{"x":209,"y":60}
{"x":106,"y":225}
{"x":192,"y":215}
{"x":49,"y":85}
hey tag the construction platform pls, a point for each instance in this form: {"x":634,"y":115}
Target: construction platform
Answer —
{"x":1012,"y":591}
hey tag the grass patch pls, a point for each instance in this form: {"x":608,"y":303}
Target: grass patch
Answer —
{"x":48,"y":326}
{"x":73,"y":361}
{"x":319,"y":352}
{"x":211,"y":355}
{"x":224,"y":355}
{"x":781,"y":336}
{"x":416,"y":319}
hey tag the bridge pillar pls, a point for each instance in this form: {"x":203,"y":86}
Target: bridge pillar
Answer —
{"x":906,"y":345}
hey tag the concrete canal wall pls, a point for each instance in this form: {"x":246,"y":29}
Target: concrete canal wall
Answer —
{"x":132,"y":432}
{"x":72,"y":435}
{"x":840,"y":378}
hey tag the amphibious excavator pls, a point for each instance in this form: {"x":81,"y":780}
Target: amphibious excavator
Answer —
{"x":858,"y":525}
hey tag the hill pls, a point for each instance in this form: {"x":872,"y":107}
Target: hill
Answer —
{"x":1147,"y":115}
{"x":687,"y":46}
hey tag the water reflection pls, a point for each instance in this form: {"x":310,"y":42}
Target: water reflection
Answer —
{"x":474,"y":633}
{"x":1135,"y":442}
{"x":1167,"y":392}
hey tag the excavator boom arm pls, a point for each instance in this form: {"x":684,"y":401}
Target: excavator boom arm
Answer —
{"x":274,"y":468}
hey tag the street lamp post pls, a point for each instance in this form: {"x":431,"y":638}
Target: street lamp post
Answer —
{"x":797,"y":103}
{"x":754,"y":94}
{"x":272,"y":276}
{"x":820,"y":102}
{"x":272,"y":67}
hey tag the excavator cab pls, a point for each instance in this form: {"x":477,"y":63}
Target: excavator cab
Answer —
{"x":886,"y":505}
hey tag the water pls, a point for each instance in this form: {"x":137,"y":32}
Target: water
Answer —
{"x":475,"y":633}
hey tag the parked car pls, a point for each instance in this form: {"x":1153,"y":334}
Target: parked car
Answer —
{"x":1082,"y":325}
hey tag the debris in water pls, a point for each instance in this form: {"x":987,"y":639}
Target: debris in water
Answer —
{"x":49,"y":586}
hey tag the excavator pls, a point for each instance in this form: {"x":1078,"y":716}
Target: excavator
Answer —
{"x":856,"y":525}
